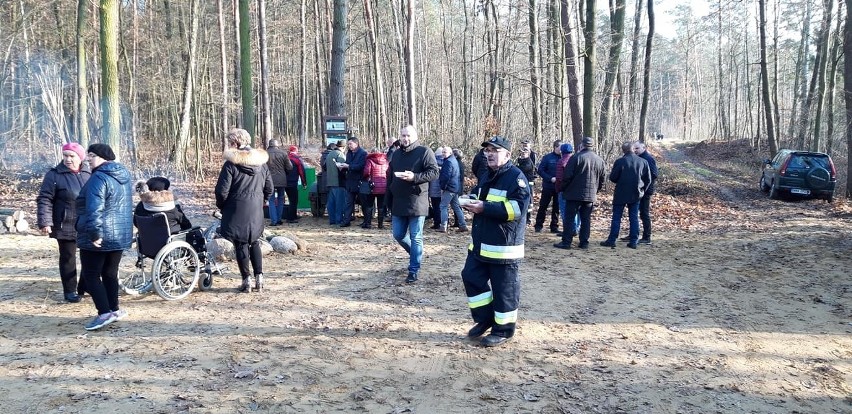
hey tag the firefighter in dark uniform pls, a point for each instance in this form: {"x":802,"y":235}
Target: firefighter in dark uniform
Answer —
{"x":497,"y":245}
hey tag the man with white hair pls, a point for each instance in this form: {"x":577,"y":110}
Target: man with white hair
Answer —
{"x":411,"y":168}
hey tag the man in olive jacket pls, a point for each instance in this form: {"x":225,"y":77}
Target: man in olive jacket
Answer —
{"x":632,"y":176}
{"x":411,"y":168}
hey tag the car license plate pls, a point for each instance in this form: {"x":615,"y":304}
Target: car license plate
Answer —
{"x":800,"y":191}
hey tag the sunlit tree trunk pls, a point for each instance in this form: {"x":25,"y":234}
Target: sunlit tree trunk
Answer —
{"x":226,"y":98}
{"x":612,"y":68}
{"x":535,"y":71}
{"x":573,"y":80}
{"x":303,"y":73}
{"x":589,"y":61}
{"x":847,"y":92}
{"x":110,"y":99}
{"x":81,"y":120}
{"x":820,"y":94}
{"x":246,"y":89}
{"x":409,"y":63}
{"x":266,"y":108}
{"x":340,"y":38}
{"x":646,"y":73}
{"x":764,"y":80}
{"x":178,"y":154}
{"x":378,"y":90}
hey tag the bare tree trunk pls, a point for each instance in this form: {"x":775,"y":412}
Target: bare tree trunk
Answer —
{"x":617,"y":37}
{"x":110,"y":99}
{"x":245,"y":70}
{"x":303,"y":80}
{"x":226,"y":99}
{"x":724,"y":128}
{"x":589,"y":61}
{"x":81,"y":119}
{"x":409,"y":63}
{"x":823,"y":51}
{"x":535,"y":75}
{"x":800,"y":84}
{"x":832,"y":79}
{"x":266,"y":108}
{"x":340,"y":38}
{"x":764,"y":80}
{"x":804,"y":119}
{"x":646,"y":73}
{"x":178,"y":155}
{"x":634,"y":62}
{"x":378,"y":91}
{"x":467,"y":105}
{"x":847,"y":92}
{"x":319,"y":58}
{"x":573,"y":79}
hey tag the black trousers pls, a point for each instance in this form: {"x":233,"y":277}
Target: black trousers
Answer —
{"x":497,"y":303}
{"x":349,"y":208}
{"x":548,"y":197}
{"x":571,"y":208}
{"x":435,"y":211}
{"x":645,"y":216}
{"x":68,"y":267}
{"x":249,"y":254}
{"x":100,"y":270}
{"x":368,"y":205}
{"x":292,"y":210}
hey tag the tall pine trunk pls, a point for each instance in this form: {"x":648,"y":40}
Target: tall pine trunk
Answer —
{"x":339,"y":40}
{"x":246,"y":89}
{"x":573,"y":80}
{"x":178,"y":155}
{"x":617,"y":37}
{"x":764,"y":80}
{"x":81,"y":120}
{"x":589,"y":62}
{"x":110,"y":99}
{"x":646,"y":73}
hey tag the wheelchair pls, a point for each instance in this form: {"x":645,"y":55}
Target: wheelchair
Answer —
{"x":178,"y":265}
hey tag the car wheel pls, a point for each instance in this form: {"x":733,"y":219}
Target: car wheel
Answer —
{"x":773,"y":191}
{"x":818,"y":178}
{"x":763,"y":186}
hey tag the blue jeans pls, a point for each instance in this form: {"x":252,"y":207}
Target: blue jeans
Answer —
{"x":451,"y":199}
{"x":276,"y":205}
{"x":564,"y":215}
{"x":335,"y":204}
{"x":633,"y":216}
{"x":408,"y":232}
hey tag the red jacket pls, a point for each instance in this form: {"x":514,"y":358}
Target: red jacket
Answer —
{"x":376,"y":171}
{"x":560,"y":169}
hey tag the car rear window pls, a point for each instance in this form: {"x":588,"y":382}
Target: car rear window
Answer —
{"x":808,"y":161}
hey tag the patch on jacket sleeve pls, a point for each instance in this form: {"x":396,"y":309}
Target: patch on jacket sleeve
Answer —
{"x":522,"y":183}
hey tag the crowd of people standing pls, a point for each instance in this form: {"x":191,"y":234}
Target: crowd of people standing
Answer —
{"x":88,"y":206}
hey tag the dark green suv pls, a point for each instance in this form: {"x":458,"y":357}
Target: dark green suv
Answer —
{"x":799,"y":173}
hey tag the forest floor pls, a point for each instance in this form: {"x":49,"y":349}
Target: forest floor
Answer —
{"x":742,"y":304}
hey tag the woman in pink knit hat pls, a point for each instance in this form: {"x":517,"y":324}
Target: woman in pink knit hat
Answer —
{"x":57,"y":213}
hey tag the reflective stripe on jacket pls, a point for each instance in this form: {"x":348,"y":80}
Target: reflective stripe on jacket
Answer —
{"x":498,"y":232}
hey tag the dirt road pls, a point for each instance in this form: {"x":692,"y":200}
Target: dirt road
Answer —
{"x":741,"y":305}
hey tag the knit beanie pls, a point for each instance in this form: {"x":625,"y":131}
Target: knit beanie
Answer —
{"x":103,"y":151}
{"x":73,"y":146}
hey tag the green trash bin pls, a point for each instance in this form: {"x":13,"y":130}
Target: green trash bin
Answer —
{"x":304,"y":196}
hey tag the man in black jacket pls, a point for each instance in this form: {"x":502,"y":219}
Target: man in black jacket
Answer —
{"x":526,"y":162}
{"x":631,"y":176}
{"x":411,"y":168}
{"x":547,"y":172}
{"x":279,"y":164}
{"x":645,"y":202}
{"x":581,"y":181}
{"x":356,"y":160}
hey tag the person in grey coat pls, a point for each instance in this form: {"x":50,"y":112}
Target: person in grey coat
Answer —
{"x":631,"y":176}
{"x":582,"y":179}
{"x":244,"y":183}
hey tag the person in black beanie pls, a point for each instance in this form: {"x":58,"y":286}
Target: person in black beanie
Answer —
{"x":104,"y":229}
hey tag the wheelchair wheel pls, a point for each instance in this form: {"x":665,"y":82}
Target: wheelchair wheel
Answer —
{"x":132,"y":278}
{"x":205,"y":282}
{"x":175,"y":271}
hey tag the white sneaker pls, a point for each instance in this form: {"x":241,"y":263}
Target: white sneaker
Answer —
{"x":120,"y":314}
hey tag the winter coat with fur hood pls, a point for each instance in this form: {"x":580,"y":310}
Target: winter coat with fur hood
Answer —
{"x":55,"y":200}
{"x":105,"y":209}
{"x":243,"y":185}
{"x":161,"y":202}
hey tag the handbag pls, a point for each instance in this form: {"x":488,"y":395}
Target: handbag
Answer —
{"x":365,"y":187}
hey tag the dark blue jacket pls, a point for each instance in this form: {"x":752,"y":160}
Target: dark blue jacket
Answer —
{"x":631,"y":176}
{"x":498,"y":231}
{"x":547,"y":170}
{"x":56,"y":200}
{"x":357,"y":161}
{"x":105,"y":209}
{"x":652,"y":164}
{"x":449,"y":177}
